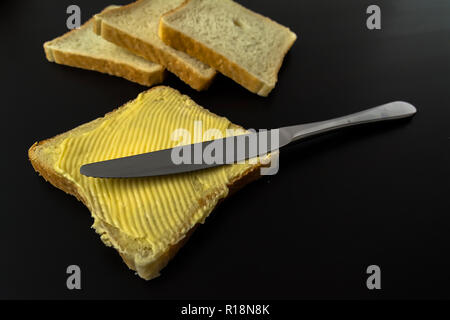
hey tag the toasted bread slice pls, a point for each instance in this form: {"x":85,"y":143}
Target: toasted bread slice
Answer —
{"x":135,"y":27}
{"x":237,"y":42}
{"x":145,"y":219}
{"x":84,"y":49}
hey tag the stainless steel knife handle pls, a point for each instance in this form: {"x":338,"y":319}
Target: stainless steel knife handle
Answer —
{"x":389,"y":111}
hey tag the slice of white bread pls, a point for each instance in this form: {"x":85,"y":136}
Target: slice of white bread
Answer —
{"x":84,"y":49}
{"x":135,"y":27}
{"x":145,"y":219}
{"x":243,"y":45}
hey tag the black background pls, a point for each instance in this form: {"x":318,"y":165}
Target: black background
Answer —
{"x":372,"y":195}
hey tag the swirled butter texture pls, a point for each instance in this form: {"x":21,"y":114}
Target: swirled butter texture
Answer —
{"x":148,"y":214}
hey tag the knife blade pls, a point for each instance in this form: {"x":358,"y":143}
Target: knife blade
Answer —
{"x":234,"y":149}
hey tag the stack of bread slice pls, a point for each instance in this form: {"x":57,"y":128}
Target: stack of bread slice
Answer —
{"x":190,"y":38}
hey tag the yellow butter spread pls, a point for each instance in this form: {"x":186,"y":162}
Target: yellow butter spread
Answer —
{"x":157,"y":211}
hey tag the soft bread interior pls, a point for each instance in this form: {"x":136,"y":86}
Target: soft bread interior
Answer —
{"x":83,"y":48}
{"x":230,"y":38}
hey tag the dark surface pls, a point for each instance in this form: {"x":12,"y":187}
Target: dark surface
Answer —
{"x":372,"y":195}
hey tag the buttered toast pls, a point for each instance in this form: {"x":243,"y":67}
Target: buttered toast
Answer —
{"x":145,"y":219}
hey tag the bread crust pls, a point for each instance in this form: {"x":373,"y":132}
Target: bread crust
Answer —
{"x":145,"y":78}
{"x":129,"y":72}
{"x":151,"y":52}
{"x":111,"y":236}
{"x":180,"y":41}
